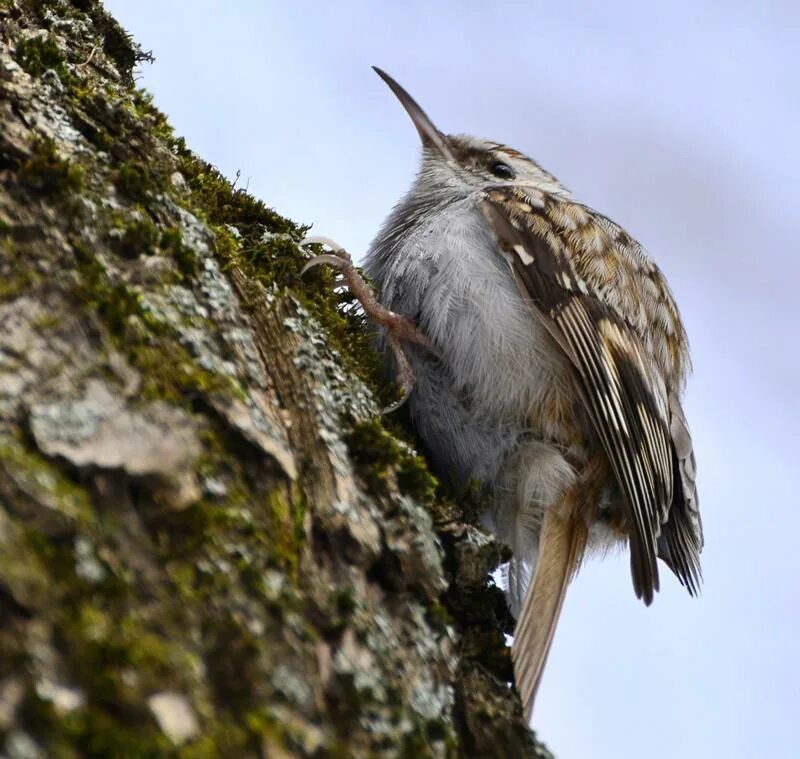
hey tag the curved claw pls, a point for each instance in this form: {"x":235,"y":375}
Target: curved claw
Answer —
{"x":338,"y":256}
{"x":324,"y":241}
{"x":392,"y":407}
{"x":325,"y":258}
{"x":405,"y":374}
{"x":399,"y":329}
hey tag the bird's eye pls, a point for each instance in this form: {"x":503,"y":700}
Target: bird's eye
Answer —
{"x":501,"y":170}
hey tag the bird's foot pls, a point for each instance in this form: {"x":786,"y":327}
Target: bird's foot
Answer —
{"x":400,"y":329}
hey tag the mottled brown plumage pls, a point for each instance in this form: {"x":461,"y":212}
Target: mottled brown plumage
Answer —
{"x":552,"y":369}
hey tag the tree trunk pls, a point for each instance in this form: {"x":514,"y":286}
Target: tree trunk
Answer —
{"x":210,"y":541}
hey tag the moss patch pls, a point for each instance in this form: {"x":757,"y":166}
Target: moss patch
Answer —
{"x":132,"y":181}
{"x":169,"y":372}
{"x":39,"y":54}
{"x":29,"y":476}
{"x":172,"y":244}
{"x":119,"y":45}
{"x":379,"y":455}
{"x":19,"y":274}
{"x":49,"y":174}
{"x":139,"y":237}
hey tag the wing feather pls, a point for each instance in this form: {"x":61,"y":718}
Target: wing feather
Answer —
{"x":623,"y":390}
{"x":682,"y":537}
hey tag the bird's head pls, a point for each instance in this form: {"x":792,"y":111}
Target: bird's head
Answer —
{"x":462,"y":164}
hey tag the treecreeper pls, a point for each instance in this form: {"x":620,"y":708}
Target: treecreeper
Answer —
{"x":541,"y":353}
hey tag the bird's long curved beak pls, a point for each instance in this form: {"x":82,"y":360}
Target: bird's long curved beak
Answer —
{"x":431,"y":137}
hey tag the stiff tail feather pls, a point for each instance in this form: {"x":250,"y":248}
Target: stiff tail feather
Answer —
{"x":561,"y":546}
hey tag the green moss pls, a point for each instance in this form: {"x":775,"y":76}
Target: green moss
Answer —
{"x":223,"y":738}
{"x":256,"y":525}
{"x":89,"y":105}
{"x":40,"y":480}
{"x":21,"y":282}
{"x":265,"y":249}
{"x":94,"y":732}
{"x":280,"y":534}
{"x":168,"y":370}
{"x":104,"y":639}
{"x":99,"y":730}
{"x":47,"y":321}
{"x":116,"y":302}
{"x":139,"y":237}
{"x":226,"y":245}
{"x":417,"y":744}
{"x":45,"y":172}
{"x":118,"y":650}
{"x":144,"y":108}
{"x":415,"y":478}
{"x":101,"y":734}
{"x":346,"y":329}
{"x":118,"y":45}
{"x":56,"y":555}
{"x":39,"y":54}
{"x":172,"y":244}
{"x":19,"y":276}
{"x":171,"y":374}
{"x":378,"y":455}
{"x":132,"y":180}
{"x":220,"y":203}
{"x":5,"y":227}
{"x":120,"y":644}
{"x":439,"y":617}
{"x":473,"y":501}
{"x":276,"y":262}
{"x":215,"y":551}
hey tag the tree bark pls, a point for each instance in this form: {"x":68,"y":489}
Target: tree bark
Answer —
{"x":210,"y":541}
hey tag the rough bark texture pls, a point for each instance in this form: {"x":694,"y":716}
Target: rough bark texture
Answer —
{"x":210,"y":542}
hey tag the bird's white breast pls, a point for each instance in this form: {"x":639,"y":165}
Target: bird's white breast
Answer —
{"x":500,"y":356}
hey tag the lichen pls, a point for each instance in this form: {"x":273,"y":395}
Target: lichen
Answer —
{"x":169,"y":372}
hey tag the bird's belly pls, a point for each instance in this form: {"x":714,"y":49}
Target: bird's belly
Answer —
{"x":498,"y":404}
{"x":500,"y":357}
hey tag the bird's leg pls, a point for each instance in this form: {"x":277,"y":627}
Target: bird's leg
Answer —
{"x":400,"y":329}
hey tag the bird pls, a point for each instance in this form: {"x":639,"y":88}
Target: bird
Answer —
{"x":542,"y":355}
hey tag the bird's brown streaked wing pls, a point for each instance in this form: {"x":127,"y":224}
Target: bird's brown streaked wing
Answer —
{"x":624,"y":394}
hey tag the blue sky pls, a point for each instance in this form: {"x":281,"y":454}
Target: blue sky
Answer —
{"x":680,"y":121}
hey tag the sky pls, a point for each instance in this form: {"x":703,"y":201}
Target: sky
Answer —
{"x":679,"y":121}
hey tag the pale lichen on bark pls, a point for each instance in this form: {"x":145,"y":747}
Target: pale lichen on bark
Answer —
{"x":210,"y":543}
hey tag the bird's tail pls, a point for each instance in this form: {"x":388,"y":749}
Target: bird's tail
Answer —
{"x":561,"y":546}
